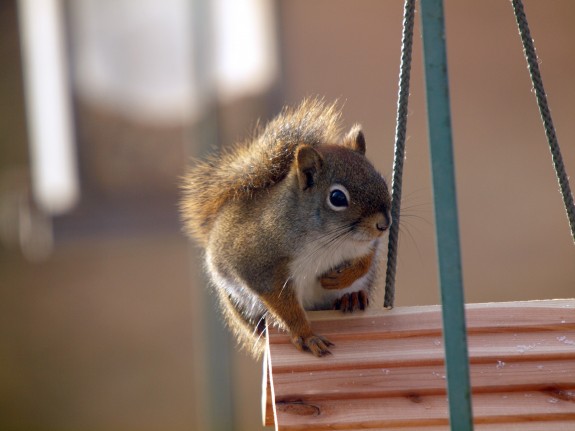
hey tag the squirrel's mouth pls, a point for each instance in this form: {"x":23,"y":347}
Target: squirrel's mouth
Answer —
{"x":368,"y":233}
{"x":365,"y":237}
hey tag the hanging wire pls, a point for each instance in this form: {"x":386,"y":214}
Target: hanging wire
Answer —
{"x":535,"y":74}
{"x":399,"y":149}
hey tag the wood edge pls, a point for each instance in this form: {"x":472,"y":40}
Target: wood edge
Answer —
{"x":320,"y":315}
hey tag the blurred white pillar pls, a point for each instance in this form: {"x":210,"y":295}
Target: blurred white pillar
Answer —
{"x":246,"y":48}
{"x":52,"y":151}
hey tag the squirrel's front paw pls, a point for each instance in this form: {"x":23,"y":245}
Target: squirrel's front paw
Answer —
{"x":352,"y":301}
{"x":315,"y":344}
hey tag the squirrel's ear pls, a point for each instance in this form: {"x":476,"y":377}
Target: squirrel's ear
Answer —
{"x":354,"y":140}
{"x":309,"y":163}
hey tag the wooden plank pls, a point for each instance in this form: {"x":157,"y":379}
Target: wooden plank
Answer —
{"x":386,"y":370}
{"x":421,"y":411}
{"x":413,"y":351}
{"x":424,"y":380}
{"x":549,"y":315}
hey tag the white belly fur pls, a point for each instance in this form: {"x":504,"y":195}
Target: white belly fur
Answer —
{"x":306,"y":269}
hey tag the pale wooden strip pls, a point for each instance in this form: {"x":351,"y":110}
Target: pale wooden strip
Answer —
{"x":426,"y":350}
{"x":409,"y":321}
{"x":417,"y":412}
{"x":267,"y":397}
{"x":386,"y":382}
{"x":271,"y":414}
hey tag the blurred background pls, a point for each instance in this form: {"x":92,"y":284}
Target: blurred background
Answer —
{"x":105,"y":319}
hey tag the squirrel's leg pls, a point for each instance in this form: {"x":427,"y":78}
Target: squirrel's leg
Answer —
{"x":283,"y":304}
{"x":345,"y":274}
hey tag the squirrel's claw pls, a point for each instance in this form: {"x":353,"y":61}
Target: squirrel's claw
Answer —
{"x":315,"y":344}
{"x":352,"y":302}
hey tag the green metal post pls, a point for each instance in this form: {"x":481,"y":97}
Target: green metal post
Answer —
{"x":447,"y":229}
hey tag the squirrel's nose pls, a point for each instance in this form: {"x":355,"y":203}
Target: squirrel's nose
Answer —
{"x":382,"y":227}
{"x":383,"y":222}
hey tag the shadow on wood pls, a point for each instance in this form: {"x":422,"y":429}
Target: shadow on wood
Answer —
{"x":387,"y":370}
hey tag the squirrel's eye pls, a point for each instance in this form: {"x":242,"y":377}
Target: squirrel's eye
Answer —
{"x":338,"y":198}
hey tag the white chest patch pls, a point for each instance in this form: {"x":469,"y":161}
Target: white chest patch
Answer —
{"x":315,"y":261}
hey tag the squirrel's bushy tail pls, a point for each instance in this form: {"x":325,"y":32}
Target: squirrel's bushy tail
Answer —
{"x":256,"y":164}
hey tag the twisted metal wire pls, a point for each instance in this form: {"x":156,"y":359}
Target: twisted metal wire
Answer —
{"x":533,"y":65}
{"x":399,"y":149}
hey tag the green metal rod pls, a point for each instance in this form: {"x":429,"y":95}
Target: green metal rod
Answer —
{"x":445,"y":202}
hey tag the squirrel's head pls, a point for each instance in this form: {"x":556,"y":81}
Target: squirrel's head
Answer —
{"x":342,"y":190}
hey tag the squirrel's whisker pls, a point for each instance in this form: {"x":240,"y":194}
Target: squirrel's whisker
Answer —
{"x":326,"y":241}
{"x":403,"y":229}
{"x":258,"y":336}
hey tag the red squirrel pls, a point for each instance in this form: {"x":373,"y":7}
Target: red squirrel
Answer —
{"x":290,"y":220}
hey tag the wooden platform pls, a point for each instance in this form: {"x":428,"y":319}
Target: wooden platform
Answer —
{"x":386,"y":371}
